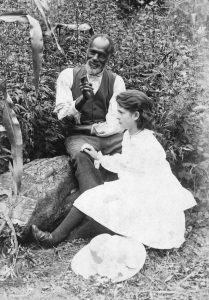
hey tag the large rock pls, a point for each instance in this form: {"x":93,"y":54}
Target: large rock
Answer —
{"x":48,"y":191}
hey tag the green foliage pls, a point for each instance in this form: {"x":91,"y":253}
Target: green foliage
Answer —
{"x":159,"y":49}
{"x":35,"y":36}
{"x":128,"y":6}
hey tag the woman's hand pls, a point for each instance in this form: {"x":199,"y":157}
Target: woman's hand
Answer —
{"x":89,"y":149}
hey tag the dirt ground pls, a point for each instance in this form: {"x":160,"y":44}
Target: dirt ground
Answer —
{"x":167,"y":274}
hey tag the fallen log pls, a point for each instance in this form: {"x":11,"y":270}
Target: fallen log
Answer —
{"x":48,"y":191}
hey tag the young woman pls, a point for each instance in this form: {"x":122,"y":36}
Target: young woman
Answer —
{"x":147,"y":202}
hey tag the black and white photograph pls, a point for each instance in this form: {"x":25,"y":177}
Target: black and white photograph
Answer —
{"x":104,"y":149}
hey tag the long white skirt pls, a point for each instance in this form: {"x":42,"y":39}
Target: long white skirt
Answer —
{"x":149,"y":210}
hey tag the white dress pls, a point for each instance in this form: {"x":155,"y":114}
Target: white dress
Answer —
{"x":147,"y":202}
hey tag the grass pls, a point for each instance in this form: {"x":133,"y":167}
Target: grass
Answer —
{"x":167,"y":274}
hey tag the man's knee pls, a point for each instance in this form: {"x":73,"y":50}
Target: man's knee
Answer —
{"x":73,"y":146}
{"x":81,"y":159}
{"x":69,"y":146}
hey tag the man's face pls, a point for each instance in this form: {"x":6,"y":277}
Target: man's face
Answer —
{"x":97,"y":55}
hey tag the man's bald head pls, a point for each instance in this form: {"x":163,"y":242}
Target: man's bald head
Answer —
{"x":103,"y":39}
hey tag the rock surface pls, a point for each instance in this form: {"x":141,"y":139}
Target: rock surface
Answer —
{"x":48,"y":191}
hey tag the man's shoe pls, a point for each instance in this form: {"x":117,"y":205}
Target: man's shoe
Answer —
{"x":45,"y":239}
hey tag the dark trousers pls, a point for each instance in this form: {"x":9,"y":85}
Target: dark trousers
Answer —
{"x":86,"y":173}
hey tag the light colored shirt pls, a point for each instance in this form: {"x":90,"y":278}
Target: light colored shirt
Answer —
{"x":65,"y":104}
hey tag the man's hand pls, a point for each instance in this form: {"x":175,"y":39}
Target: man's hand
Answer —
{"x":89,"y":149}
{"x":86,"y":89}
{"x":87,"y":93}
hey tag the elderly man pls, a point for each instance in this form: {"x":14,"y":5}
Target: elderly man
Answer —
{"x":87,"y":96}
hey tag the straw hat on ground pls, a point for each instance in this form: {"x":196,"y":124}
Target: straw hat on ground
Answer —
{"x":113,"y":258}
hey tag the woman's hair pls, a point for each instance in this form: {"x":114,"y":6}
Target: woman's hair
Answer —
{"x":133,"y":101}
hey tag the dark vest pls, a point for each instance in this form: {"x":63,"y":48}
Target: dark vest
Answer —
{"x":95,"y":109}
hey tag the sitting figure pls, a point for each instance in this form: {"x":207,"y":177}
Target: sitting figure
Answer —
{"x":86,"y":101}
{"x":147,"y":202}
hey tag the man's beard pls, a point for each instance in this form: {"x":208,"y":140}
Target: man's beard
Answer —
{"x":92,"y":71}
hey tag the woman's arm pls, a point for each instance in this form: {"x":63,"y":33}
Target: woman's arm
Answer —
{"x":111,"y":163}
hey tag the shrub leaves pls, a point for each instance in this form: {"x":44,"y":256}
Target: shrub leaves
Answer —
{"x":36,"y":39}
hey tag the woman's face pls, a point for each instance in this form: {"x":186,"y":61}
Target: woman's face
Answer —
{"x":127,"y":119}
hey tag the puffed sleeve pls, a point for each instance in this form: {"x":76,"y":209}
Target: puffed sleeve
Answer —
{"x":141,"y":155}
{"x":65,"y":104}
